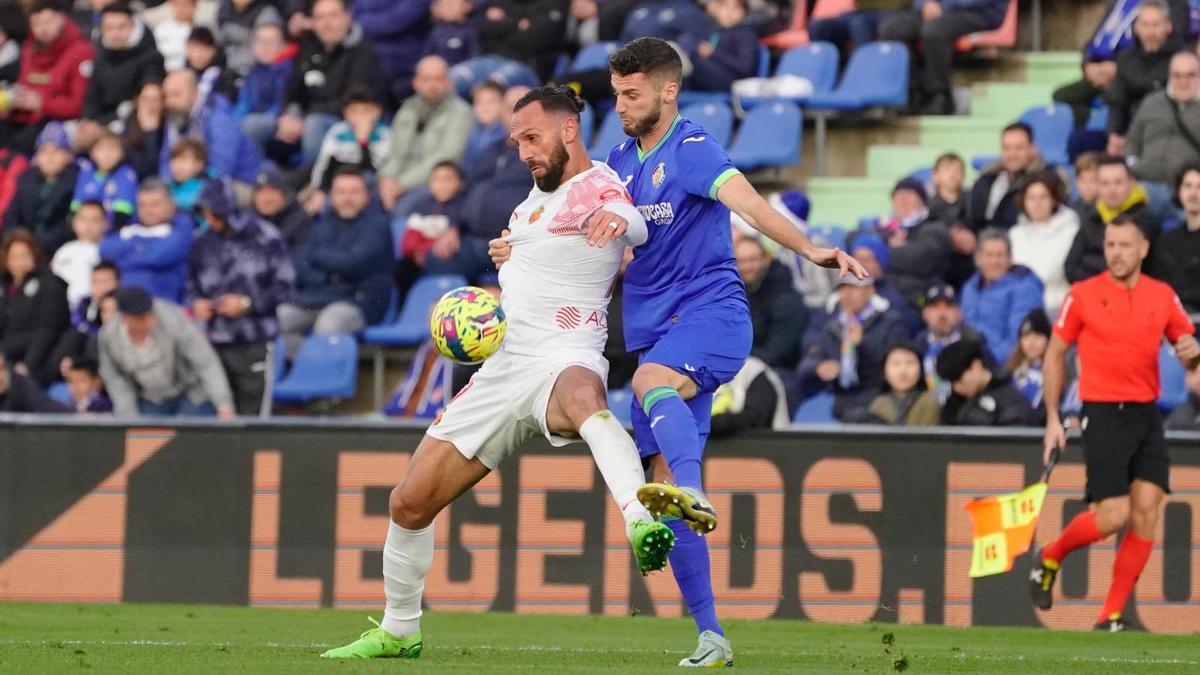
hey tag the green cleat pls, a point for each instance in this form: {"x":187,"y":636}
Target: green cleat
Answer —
{"x":671,"y":501}
{"x":377,"y":643}
{"x":651,"y":541}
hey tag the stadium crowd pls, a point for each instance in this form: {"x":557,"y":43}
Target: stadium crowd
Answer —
{"x":184,"y":182}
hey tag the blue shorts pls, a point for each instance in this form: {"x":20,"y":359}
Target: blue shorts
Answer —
{"x":710,"y":349}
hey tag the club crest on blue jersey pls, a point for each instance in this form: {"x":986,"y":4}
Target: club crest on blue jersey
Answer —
{"x":659,"y":175}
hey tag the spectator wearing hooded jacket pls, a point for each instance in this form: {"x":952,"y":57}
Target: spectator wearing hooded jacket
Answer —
{"x":334,"y":58}
{"x":1000,"y":295}
{"x":397,"y":30}
{"x":920,"y":247}
{"x":1141,"y":69}
{"x":846,"y":354}
{"x":343,"y":272}
{"x":240,"y":272}
{"x":56,"y":65}
{"x":1157,"y":145}
{"x":153,"y":253}
{"x":42,"y":203}
{"x":239,"y":19}
{"x":126,"y":59}
{"x":274,"y":201}
{"x":994,"y":197}
{"x":361,"y":140}
{"x":210,"y":120}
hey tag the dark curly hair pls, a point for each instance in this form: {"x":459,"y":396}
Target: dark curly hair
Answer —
{"x":558,"y":99}
{"x":651,"y":56}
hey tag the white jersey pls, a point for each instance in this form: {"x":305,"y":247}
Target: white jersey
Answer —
{"x":555,"y":287}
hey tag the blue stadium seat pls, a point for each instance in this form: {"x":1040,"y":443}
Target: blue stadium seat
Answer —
{"x":279,"y":359}
{"x":768,"y":137}
{"x":981,"y":162}
{"x":412,"y":326}
{"x":828,"y":235}
{"x":877,"y":75}
{"x":587,"y":123}
{"x":1052,"y":126}
{"x":594,"y":56}
{"x":610,"y":136}
{"x":620,"y":402}
{"x":716,"y":118}
{"x":325,"y":367}
{"x":59,"y":391}
{"x":504,"y":71}
{"x":868,"y":222}
{"x":925,"y":175}
{"x":1174,"y":380}
{"x":816,"y":410}
{"x":816,"y":62}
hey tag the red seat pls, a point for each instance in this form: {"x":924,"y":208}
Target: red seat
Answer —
{"x":1003,"y":37}
{"x":797,"y":34}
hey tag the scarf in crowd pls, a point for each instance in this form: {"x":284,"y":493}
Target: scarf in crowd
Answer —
{"x":848,"y":377}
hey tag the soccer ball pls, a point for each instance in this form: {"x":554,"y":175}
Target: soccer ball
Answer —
{"x":467,"y":325}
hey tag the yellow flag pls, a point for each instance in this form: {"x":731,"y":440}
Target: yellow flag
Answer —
{"x":1002,"y":528}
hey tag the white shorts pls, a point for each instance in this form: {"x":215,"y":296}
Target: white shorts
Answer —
{"x":505,"y":403}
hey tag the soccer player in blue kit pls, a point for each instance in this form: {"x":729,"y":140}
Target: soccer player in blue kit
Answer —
{"x":686,"y":311}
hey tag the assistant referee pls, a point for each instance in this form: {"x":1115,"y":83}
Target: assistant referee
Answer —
{"x":1118,"y":319}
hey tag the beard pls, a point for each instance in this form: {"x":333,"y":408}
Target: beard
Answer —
{"x":644,"y":125}
{"x":550,"y":180}
{"x":177,"y":119}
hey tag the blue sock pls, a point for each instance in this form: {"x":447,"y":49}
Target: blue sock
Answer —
{"x":689,"y":564}
{"x":674,"y":429}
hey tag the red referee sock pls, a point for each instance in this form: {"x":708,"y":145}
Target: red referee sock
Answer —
{"x":1080,"y":532}
{"x":1131,"y":560}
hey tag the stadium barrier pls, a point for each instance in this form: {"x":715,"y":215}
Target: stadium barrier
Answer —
{"x":822,"y":524}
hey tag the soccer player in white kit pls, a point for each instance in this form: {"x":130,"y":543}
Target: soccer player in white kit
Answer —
{"x":548,"y":377}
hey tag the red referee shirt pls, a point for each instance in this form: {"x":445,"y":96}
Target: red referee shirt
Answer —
{"x":1119,"y":331}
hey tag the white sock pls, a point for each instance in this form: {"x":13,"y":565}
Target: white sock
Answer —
{"x":407,"y":556}
{"x":617,"y":456}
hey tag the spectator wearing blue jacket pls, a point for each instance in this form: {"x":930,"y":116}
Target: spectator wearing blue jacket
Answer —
{"x":152,"y":254}
{"x":997,"y":298}
{"x":721,"y":57}
{"x":398,"y":30}
{"x":344,"y":269}
{"x":935,"y":26}
{"x":453,"y":36}
{"x":261,"y":97}
{"x":230,"y":153}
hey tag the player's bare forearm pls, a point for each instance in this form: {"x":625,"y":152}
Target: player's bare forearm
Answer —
{"x":744,"y":200}
{"x":1053,"y":375}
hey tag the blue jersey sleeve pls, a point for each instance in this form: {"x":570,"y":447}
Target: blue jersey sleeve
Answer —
{"x":614,"y":156}
{"x":704,"y":166}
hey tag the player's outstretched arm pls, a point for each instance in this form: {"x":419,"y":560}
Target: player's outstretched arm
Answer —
{"x":740,"y":196}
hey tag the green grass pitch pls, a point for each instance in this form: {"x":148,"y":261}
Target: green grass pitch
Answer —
{"x":205,"y":639}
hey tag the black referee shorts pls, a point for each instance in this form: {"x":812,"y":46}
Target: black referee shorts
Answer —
{"x":1121,"y":442}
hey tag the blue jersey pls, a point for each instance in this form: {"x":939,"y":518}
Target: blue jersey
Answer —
{"x":687,"y":263}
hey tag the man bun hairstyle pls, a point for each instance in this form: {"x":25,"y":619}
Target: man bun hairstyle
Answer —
{"x":553,"y":98}
{"x":650,"y":56}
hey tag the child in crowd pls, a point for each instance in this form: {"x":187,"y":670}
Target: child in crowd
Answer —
{"x":361,"y":140}
{"x":188,"y":160}
{"x":716,"y":69}
{"x":488,"y":102}
{"x":948,"y":205}
{"x":87,"y":316}
{"x":264,"y":86}
{"x":1087,"y":181}
{"x":106,"y":178}
{"x":453,"y":36}
{"x":205,"y":58}
{"x":905,"y":399}
{"x":73,"y":263}
{"x":431,"y":231}
{"x":86,"y":387}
